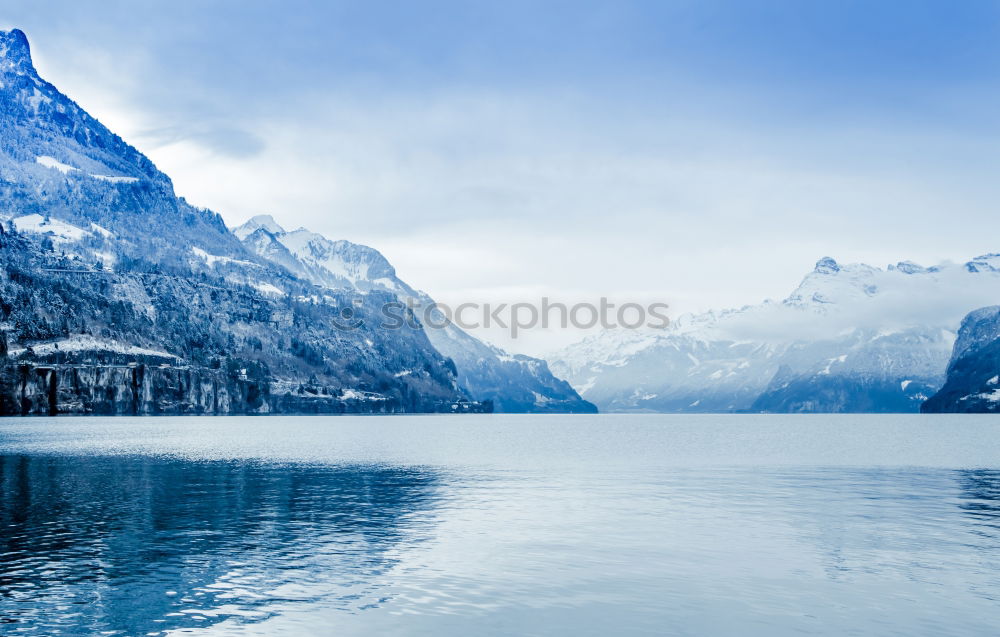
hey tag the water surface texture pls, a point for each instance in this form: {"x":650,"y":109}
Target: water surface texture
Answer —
{"x":501,"y":525}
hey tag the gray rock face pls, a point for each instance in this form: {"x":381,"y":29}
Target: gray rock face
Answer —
{"x":140,"y":389}
{"x":28,"y":389}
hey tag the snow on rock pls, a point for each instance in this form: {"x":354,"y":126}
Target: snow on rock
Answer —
{"x":116,"y":180}
{"x":88,"y":343}
{"x":267,"y":288}
{"x":212,"y":259}
{"x":266,"y":222}
{"x":37,"y":98}
{"x":993,"y":396}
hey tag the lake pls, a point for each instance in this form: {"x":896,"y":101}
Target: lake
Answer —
{"x":501,"y":525}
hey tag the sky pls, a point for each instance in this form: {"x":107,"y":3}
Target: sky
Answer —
{"x":703,"y":154}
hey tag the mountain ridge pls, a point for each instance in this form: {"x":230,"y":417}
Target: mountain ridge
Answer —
{"x":863,"y":337}
{"x":103,"y":263}
{"x":511,"y":382}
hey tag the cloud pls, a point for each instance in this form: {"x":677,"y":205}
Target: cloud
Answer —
{"x":221,"y":140}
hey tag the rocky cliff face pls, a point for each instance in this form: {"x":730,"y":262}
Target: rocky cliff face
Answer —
{"x":39,"y":389}
{"x":973,"y":382}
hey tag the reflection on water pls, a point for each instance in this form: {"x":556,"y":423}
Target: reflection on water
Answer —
{"x":137,"y":545}
{"x":981,"y":489}
{"x":500,"y":526}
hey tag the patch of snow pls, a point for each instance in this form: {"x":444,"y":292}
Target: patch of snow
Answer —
{"x":58,"y":230}
{"x":37,"y":99}
{"x":993,"y":381}
{"x":212,"y":259}
{"x":52,"y":162}
{"x":104,"y":232}
{"x":993,"y":396}
{"x":352,"y":394}
{"x":385,"y":282}
{"x":267,"y":288}
{"x":116,"y":180}
{"x":106,"y":258}
{"x":906,"y":383}
{"x":829,"y":364}
{"x":88,"y":343}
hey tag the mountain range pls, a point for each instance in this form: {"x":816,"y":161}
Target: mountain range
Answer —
{"x":118,"y":296}
{"x":512,"y":382}
{"x":849,"y":338}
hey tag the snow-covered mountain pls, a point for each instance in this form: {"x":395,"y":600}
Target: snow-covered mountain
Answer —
{"x":60,"y":162}
{"x":513,"y":382}
{"x":117,"y":296}
{"x":848,"y":338}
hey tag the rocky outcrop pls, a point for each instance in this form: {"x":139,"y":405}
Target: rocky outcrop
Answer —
{"x":973,"y":382}
{"x":36,"y":389}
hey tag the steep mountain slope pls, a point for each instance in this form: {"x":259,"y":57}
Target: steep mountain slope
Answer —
{"x":973,"y":384}
{"x":513,"y":383}
{"x":104,"y":269}
{"x":849,"y":338}
{"x":58,"y":161}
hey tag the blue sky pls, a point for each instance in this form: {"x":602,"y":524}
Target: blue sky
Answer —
{"x":704,"y":154}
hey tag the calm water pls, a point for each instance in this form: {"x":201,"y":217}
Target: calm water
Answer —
{"x":494,"y":525}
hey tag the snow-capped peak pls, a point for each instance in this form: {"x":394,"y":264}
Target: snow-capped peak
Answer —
{"x":351,"y":261}
{"x":266,"y":222}
{"x":908,"y":267}
{"x":897,"y":324}
{"x":826,"y":265}
{"x":984,"y":263}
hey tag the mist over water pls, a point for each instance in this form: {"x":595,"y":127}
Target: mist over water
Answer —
{"x":500,"y":525}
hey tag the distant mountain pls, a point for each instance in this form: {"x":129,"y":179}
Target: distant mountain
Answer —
{"x":512,"y":382}
{"x":850,"y":338}
{"x":973,"y":384}
{"x":119,"y":297}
